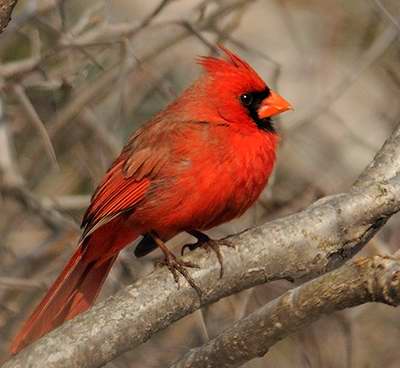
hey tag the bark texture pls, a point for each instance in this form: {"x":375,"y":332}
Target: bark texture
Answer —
{"x":6,"y":8}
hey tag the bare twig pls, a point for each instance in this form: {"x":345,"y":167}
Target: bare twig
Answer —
{"x":71,"y":202}
{"x":105,"y":138}
{"x":36,"y":121}
{"x":19,"y":283}
{"x":86,"y":95}
{"x":387,"y":14}
{"x":376,"y":50}
{"x":32,"y":9}
{"x":106,"y":32}
{"x":9,"y":174}
{"x":44,"y":210}
{"x":6,"y":8}
{"x":12,"y":184}
{"x":20,"y":67}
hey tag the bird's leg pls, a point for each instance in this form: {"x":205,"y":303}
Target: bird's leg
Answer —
{"x":203,"y":240}
{"x":175,"y":265}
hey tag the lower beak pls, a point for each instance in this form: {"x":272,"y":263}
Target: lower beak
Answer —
{"x":273,"y":105}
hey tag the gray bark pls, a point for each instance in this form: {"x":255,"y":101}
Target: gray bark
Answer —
{"x":355,"y":283}
{"x":6,"y":8}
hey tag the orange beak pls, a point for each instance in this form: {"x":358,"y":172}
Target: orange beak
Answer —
{"x":273,"y":105}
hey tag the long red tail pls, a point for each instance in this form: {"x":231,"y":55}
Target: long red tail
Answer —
{"x":75,"y":289}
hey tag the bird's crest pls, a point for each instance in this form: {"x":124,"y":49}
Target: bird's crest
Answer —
{"x":231,"y":64}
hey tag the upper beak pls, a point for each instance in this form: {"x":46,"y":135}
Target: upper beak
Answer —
{"x":273,"y":105}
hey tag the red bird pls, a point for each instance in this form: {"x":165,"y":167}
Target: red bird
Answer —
{"x":201,"y":162}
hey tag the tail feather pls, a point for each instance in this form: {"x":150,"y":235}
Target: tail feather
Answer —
{"x":73,"y":292}
{"x":83,"y":297}
{"x":75,"y":289}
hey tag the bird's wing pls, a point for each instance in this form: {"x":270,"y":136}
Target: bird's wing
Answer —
{"x":126,"y":182}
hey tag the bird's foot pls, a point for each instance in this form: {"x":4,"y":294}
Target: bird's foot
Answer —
{"x":178,"y":266}
{"x":203,"y":240}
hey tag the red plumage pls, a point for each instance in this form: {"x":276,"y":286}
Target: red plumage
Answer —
{"x":202,"y":161}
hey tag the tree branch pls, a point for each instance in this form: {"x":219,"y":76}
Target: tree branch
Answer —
{"x":6,"y":8}
{"x":303,"y":245}
{"x":386,"y":163}
{"x":375,"y":279}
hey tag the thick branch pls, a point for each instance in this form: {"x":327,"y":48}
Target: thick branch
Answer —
{"x":386,"y":163}
{"x":303,"y":245}
{"x":6,"y":8}
{"x":362,"y":281}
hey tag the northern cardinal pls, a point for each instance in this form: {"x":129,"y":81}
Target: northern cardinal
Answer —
{"x":200,"y":162}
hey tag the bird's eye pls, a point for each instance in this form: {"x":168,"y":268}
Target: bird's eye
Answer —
{"x":246,"y":99}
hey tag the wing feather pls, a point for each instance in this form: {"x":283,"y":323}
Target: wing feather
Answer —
{"x":125,"y":183}
{"x":128,"y":180}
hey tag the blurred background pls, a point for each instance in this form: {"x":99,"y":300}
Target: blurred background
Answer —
{"x":77,"y":77}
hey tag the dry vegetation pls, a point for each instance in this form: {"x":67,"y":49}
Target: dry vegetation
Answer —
{"x":77,"y":77}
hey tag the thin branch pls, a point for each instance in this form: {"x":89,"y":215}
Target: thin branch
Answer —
{"x":68,"y":202}
{"x":103,"y":136}
{"x":365,"y":280}
{"x":20,"y":67}
{"x":109,"y":32}
{"x":297,"y":247}
{"x":9,"y":173}
{"x":387,"y":14}
{"x":21,"y":283}
{"x":38,"y":124}
{"x":46,"y":211}
{"x":84,"y":97}
{"x":31,"y":10}
{"x":12,"y":184}
{"x":6,"y":8}
{"x":374,"y":52}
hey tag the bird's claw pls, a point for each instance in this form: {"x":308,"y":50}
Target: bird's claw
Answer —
{"x":190,"y":246}
{"x":210,"y":244}
{"x":178,"y":266}
{"x":215,"y":247}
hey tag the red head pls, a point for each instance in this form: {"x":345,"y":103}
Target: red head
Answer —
{"x":236,"y":92}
